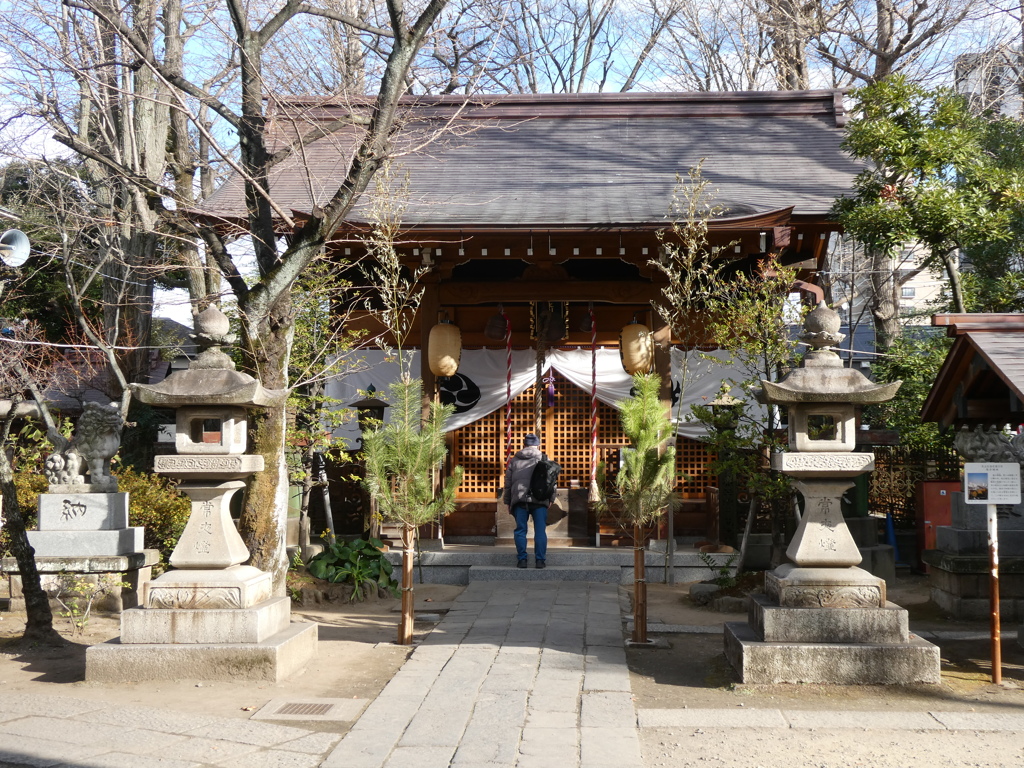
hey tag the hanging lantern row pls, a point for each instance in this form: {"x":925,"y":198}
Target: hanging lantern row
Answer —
{"x":636,"y":348}
{"x":444,"y":349}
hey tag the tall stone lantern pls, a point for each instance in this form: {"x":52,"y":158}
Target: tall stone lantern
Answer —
{"x":822,"y":619}
{"x":211,"y":617}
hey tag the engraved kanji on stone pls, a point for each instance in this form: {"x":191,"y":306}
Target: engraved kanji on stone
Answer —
{"x":206,"y":528}
{"x":202,"y":547}
{"x":72,"y":509}
{"x":827,"y":519}
{"x":206,"y":508}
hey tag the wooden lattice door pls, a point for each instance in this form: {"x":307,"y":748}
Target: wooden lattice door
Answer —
{"x":479,"y":448}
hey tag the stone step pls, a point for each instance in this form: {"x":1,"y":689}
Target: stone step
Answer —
{"x":453,"y":565}
{"x":553,"y":541}
{"x":592,"y":556}
{"x":609,"y":574}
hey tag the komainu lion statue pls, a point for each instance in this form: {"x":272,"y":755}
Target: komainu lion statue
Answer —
{"x":97,"y":438}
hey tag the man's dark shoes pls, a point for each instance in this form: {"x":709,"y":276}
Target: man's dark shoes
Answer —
{"x":521,"y":564}
{"x":540,"y":563}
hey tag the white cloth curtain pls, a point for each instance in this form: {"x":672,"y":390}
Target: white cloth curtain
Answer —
{"x":486,"y":369}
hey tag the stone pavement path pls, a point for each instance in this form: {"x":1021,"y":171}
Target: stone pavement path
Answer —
{"x":69,"y":732}
{"x":517,"y":675}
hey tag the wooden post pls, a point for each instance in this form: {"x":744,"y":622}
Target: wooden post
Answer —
{"x":639,"y":587}
{"x":538,"y":394}
{"x":993,"y":559}
{"x":429,"y":308}
{"x":408,"y":605}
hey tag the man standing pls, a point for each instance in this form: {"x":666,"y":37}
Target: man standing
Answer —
{"x":522,"y":505}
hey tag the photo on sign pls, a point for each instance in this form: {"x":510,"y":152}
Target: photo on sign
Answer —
{"x":977,"y":486}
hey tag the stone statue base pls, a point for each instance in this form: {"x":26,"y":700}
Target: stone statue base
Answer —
{"x":825,"y":662}
{"x":209,"y":624}
{"x":792,"y":587}
{"x":229,"y":625}
{"x":273,"y":660}
{"x":828,"y":625}
{"x":241,"y":586}
{"x":79,"y":525}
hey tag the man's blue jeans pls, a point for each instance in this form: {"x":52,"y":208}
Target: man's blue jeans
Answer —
{"x":522,"y":514}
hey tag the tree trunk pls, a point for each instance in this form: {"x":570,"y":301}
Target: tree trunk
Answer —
{"x":310,"y":478}
{"x":39,"y":618}
{"x":264,"y":518}
{"x":639,"y":587}
{"x":128,"y":306}
{"x":884,"y":303}
{"x":949,"y":262}
{"x":405,"y":626}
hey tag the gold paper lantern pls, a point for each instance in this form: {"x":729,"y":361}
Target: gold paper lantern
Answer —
{"x":444,"y":349}
{"x":636,"y":348}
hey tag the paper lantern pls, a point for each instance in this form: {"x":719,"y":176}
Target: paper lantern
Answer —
{"x":444,"y":349}
{"x":636,"y":348}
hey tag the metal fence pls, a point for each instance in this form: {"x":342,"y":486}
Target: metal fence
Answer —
{"x":897,"y":471}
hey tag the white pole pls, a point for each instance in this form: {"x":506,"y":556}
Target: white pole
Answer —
{"x":993,"y":557}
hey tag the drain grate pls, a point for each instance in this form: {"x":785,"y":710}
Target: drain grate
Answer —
{"x":311,"y":709}
{"x":304,"y":708}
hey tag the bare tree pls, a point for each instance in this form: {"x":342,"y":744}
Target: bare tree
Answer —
{"x":545,"y":46}
{"x":868,"y":40}
{"x":715,"y":45}
{"x":73,"y":73}
{"x":25,"y":367}
{"x":239,"y":138}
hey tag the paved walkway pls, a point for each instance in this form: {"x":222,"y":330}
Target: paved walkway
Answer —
{"x":516,"y":675}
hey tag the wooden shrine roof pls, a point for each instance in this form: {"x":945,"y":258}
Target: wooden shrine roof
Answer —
{"x":579,"y":161}
{"x":982,"y":378}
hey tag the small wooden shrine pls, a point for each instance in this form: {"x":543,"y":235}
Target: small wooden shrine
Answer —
{"x":538,"y":215}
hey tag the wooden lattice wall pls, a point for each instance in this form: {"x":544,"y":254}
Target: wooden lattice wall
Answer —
{"x":565,"y":432}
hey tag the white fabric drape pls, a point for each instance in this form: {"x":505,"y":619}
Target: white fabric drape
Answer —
{"x":486,"y":369}
{"x":613,"y":383}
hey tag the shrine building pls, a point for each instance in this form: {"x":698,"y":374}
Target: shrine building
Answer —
{"x":538,"y":215}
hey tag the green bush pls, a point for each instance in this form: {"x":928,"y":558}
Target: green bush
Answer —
{"x":359,"y":562}
{"x":155,"y":503}
{"x":29,"y":485}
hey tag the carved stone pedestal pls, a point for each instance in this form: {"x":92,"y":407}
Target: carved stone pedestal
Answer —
{"x":206,"y":624}
{"x":237,"y":587}
{"x":829,"y":661}
{"x":79,"y":525}
{"x":828,"y":625}
{"x":792,"y":587}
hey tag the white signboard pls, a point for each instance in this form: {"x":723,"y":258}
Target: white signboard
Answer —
{"x":991,"y":483}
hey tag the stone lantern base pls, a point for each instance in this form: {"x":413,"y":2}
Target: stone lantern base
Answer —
{"x":206,"y":625}
{"x":828,"y":625}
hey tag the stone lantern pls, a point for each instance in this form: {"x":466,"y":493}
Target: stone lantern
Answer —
{"x":822,"y":619}
{"x":211,"y":617}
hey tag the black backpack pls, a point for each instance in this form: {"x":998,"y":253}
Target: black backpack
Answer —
{"x":544,"y":480}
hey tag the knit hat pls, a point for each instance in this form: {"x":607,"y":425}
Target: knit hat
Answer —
{"x":531,"y":439}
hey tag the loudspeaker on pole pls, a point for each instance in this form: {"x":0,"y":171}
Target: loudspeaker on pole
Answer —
{"x":14,"y":247}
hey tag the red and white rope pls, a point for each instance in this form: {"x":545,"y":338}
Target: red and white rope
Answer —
{"x":593,"y":397}
{"x":508,"y":387}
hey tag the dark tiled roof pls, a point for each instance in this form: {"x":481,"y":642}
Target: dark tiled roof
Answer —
{"x":985,"y":366}
{"x":586,"y":160}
